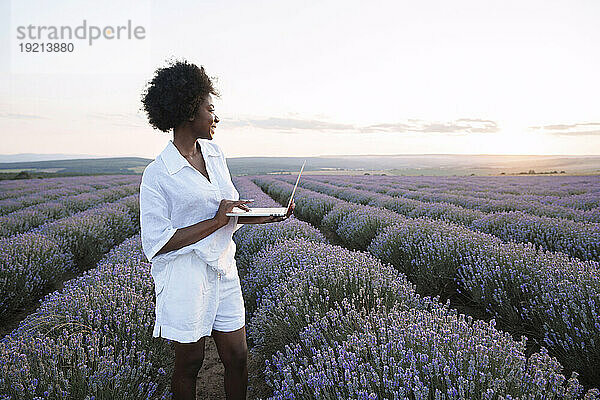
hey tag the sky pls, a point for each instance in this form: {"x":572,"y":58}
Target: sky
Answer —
{"x":309,"y":78}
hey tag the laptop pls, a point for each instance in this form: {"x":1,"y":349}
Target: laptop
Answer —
{"x":267,"y":211}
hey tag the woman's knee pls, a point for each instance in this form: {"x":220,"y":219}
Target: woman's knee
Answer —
{"x":236,"y":357}
{"x":189,"y":356}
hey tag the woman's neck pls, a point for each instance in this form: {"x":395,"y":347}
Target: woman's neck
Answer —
{"x":185,"y":144}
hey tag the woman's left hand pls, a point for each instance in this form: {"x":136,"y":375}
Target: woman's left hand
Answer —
{"x":290,"y":211}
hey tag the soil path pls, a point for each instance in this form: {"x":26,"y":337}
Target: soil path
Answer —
{"x":210,"y":379}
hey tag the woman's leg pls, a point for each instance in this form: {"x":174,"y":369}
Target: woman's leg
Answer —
{"x":188,"y":361}
{"x":233,"y":352}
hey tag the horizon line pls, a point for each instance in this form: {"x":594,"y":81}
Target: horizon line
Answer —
{"x":321,"y":155}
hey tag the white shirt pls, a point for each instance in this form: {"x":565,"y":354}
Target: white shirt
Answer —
{"x":174,"y":194}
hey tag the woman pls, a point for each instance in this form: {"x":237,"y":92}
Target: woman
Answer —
{"x":185,"y":194}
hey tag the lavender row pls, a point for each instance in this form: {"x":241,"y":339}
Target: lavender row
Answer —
{"x":582,"y":201}
{"x":29,"y":262}
{"x":252,"y":238}
{"x":554,"y":298}
{"x":99,"y":325}
{"x":101,"y":330}
{"x":551,"y":295}
{"x":486,"y":205}
{"x":574,"y":192}
{"x":40,"y":196}
{"x":16,"y":188}
{"x":304,"y":296}
{"x":413,"y":354}
{"x":290,"y":284}
{"x":581,"y":240}
{"x":92,"y":339}
{"x":13,"y":204}
{"x":560,"y":186}
{"x":332,"y":323}
{"x":19,"y":188}
{"x":30,"y":217}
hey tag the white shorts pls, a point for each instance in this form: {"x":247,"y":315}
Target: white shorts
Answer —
{"x":195,"y":299}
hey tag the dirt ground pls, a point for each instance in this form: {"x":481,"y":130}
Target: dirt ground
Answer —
{"x":210,"y":379}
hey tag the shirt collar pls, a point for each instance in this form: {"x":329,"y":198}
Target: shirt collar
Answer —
{"x":174,"y":161}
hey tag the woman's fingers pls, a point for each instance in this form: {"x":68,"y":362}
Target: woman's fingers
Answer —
{"x":242,"y":204}
{"x":237,"y":203}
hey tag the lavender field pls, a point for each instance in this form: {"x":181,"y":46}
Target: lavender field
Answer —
{"x":379,"y":288}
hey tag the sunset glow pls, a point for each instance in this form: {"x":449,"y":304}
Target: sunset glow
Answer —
{"x":327,"y":77}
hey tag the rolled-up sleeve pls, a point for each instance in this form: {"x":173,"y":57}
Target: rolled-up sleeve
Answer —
{"x":155,"y":224}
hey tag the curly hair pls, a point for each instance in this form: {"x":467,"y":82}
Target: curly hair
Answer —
{"x":175,"y":93}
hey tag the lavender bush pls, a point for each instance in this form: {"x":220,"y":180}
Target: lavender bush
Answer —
{"x":252,"y":238}
{"x":57,"y":188}
{"x":576,"y":239}
{"x":433,"y":255}
{"x":415,"y":353}
{"x":550,"y":295}
{"x":91,"y":340}
{"x":30,"y":262}
{"x":30,"y":217}
{"x":357,"y":225}
{"x":255,"y":238}
{"x":544,"y":206}
{"x":296,"y":281}
{"x":90,"y":234}
{"x":27,"y":263}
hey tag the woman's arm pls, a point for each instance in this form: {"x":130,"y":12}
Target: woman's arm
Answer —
{"x":193,"y":233}
{"x":190,"y":234}
{"x":254,"y":220}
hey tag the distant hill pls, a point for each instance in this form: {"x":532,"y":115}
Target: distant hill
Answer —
{"x":25,"y":157}
{"x":96,"y":166}
{"x":419,"y":164}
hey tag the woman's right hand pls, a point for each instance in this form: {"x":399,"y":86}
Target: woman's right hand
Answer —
{"x":226,"y":206}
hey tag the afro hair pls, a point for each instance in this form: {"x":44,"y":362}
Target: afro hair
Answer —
{"x":175,"y":93}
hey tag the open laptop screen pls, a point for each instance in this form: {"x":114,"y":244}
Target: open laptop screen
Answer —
{"x":295,"y":186}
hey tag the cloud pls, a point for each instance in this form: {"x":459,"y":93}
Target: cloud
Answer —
{"x":21,"y":116}
{"x":578,"y":129}
{"x":288,"y":124}
{"x":463,"y":125}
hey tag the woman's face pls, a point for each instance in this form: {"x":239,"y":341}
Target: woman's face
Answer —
{"x":205,"y":122}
